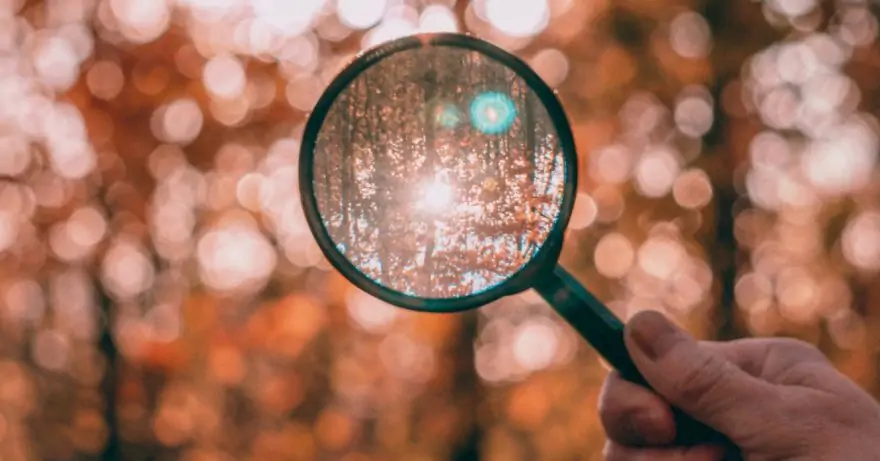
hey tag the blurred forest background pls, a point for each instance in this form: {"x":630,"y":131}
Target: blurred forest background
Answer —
{"x":161,"y":297}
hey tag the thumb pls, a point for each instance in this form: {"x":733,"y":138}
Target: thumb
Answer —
{"x":700,"y":381}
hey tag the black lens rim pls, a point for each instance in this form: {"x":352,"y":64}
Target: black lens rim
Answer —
{"x":546,"y":257}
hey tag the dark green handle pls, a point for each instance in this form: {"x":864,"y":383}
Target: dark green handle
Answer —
{"x":604,"y":331}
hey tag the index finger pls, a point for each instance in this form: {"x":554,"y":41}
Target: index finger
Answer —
{"x":633,"y":415}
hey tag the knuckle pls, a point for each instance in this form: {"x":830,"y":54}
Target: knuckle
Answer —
{"x":609,"y":402}
{"x":790,"y":352}
{"x":794,"y":346}
{"x":608,"y":414}
{"x":612,"y":416}
{"x":700,"y":381}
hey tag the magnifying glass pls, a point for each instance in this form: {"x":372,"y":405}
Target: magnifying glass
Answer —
{"x":438,"y":173}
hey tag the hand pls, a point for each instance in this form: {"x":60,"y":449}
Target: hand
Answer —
{"x":776,"y":399}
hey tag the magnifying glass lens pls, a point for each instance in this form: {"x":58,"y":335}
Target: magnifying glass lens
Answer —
{"x":438,"y":172}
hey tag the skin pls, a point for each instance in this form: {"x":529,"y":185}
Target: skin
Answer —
{"x":775,"y":399}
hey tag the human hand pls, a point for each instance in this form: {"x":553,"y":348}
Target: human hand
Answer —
{"x":776,"y":399}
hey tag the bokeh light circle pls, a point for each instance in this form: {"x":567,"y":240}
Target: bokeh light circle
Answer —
{"x":493,"y":112}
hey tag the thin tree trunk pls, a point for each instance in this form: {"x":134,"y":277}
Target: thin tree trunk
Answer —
{"x":110,"y":382}
{"x":469,"y":389}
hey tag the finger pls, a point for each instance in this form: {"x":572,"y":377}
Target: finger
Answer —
{"x":617,"y":452}
{"x":699,"y":380}
{"x":633,"y":415}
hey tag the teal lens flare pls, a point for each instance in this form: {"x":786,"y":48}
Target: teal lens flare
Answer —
{"x":447,"y":116}
{"x":493,"y":113}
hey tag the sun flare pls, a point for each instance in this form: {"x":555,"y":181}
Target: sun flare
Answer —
{"x":436,"y":196}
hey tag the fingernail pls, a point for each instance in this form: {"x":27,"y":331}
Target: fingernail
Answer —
{"x":653,"y":334}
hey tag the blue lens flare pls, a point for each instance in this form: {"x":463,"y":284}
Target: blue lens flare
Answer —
{"x":493,"y":112}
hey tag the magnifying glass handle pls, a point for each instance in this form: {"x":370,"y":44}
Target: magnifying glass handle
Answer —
{"x":604,"y":331}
